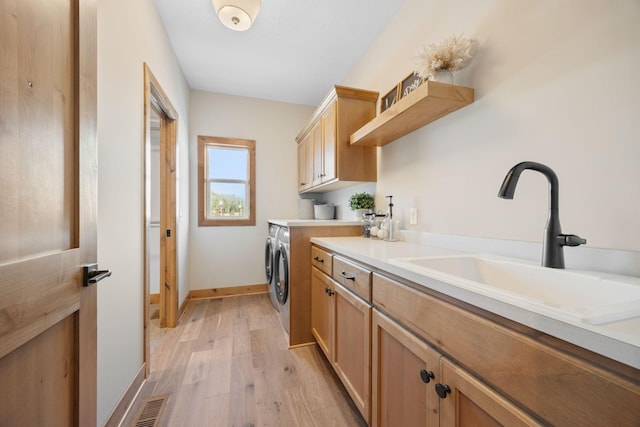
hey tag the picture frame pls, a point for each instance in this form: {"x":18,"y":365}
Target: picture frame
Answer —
{"x":409,"y":84}
{"x":390,"y":98}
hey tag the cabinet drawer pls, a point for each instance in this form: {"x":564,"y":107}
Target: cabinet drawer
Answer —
{"x":321,"y":259}
{"x":353,"y":277}
{"x":560,"y":388}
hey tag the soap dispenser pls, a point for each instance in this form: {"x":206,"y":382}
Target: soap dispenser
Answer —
{"x":390,"y":225}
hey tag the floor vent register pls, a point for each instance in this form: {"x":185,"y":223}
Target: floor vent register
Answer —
{"x":150,"y":411}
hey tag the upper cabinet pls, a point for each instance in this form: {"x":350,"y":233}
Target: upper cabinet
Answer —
{"x":326,"y":159}
{"x":429,"y":102}
{"x":305,"y":167}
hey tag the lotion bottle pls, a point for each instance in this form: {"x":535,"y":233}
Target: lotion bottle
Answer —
{"x":390,"y":226}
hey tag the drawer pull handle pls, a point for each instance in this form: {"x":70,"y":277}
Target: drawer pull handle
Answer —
{"x":426,"y":376}
{"x":442,"y":390}
{"x":318,"y":260}
{"x":344,"y":274}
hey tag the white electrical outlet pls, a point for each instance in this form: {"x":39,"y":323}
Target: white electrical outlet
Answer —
{"x":413,"y":216}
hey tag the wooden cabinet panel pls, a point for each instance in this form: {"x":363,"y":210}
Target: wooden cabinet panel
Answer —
{"x":316,"y":154}
{"x":305,"y":167}
{"x":399,"y":395}
{"x":470,"y":403}
{"x":300,"y":276}
{"x":322,"y":310}
{"x":353,"y":277}
{"x":322,"y":260}
{"x":352,"y":347}
{"x":328,"y":122}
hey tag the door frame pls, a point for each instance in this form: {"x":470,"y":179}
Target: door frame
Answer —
{"x":155,"y":98}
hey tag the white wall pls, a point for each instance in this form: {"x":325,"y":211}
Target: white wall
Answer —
{"x":129,"y":34}
{"x":234,"y":256}
{"x":555,"y":82}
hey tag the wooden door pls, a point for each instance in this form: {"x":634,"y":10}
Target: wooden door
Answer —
{"x":321,"y":309}
{"x":329,"y":143}
{"x":316,"y":154}
{"x":48,"y":189}
{"x":468,"y":402}
{"x":352,"y":347}
{"x":401,"y":367}
{"x":305,"y":167}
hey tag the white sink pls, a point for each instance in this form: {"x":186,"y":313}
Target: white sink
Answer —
{"x":580,"y":296}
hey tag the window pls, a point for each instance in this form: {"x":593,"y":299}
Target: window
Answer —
{"x":226,"y":181}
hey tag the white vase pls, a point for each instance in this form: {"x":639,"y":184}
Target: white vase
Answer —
{"x":443,"y":76}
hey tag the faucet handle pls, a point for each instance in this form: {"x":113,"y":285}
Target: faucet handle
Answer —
{"x":570,"y":240}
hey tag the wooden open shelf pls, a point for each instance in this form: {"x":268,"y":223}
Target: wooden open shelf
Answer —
{"x":427,"y":103}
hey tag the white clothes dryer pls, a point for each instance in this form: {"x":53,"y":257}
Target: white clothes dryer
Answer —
{"x":270,"y":249}
{"x":281,"y":276}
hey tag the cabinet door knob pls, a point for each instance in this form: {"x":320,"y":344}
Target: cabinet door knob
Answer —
{"x":328,"y":291}
{"x":442,"y":390}
{"x":426,"y":375}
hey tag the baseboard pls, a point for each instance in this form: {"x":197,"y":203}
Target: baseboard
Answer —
{"x":154,"y":298}
{"x":227,"y":292}
{"x":121,"y":409}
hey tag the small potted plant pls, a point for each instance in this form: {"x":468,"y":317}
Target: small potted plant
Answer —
{"x":361,"y":203}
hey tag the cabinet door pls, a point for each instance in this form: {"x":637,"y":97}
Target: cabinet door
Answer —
{"x":468,"y":402}
{"x":329,"y":143}
{"x":352,"y":347}
{"x":305,"y":168}
{"x":322,"y":288}
{"x":316,"y":154}
{"x":405,"y":370}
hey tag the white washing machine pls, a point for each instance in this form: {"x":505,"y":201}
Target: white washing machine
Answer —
{"x":281,"y":276}
{"x":270,"y":249}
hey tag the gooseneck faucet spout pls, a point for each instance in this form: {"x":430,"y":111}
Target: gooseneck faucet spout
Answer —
{"x":554,"y":240}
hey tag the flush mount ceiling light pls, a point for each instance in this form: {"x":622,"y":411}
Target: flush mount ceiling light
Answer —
{"x":237,"y":14}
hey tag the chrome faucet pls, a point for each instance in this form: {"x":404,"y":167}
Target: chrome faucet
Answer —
{"x":554,"y":240}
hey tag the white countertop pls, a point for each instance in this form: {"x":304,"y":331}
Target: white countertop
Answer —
{"x":312,"y":222}
{"x":618,"y":340}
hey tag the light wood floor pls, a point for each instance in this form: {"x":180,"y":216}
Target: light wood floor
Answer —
{"x":227,"y":364}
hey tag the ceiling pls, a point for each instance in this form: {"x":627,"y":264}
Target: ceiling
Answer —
{"x":294,"y":52}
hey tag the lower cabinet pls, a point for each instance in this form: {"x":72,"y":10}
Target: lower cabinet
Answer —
{"x":321,"y":311}
{"x":419,"y":358}
{"x":465,"y":401}
{"x":414,"y":385}
{"x":352,"y":347}
{"x":341,"y":324}
{"x":403,"y":368}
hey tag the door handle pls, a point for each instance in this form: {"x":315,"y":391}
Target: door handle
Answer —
{"x":91,"y":275}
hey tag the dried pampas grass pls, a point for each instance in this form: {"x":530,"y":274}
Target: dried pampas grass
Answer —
{"x":452,"y":54}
